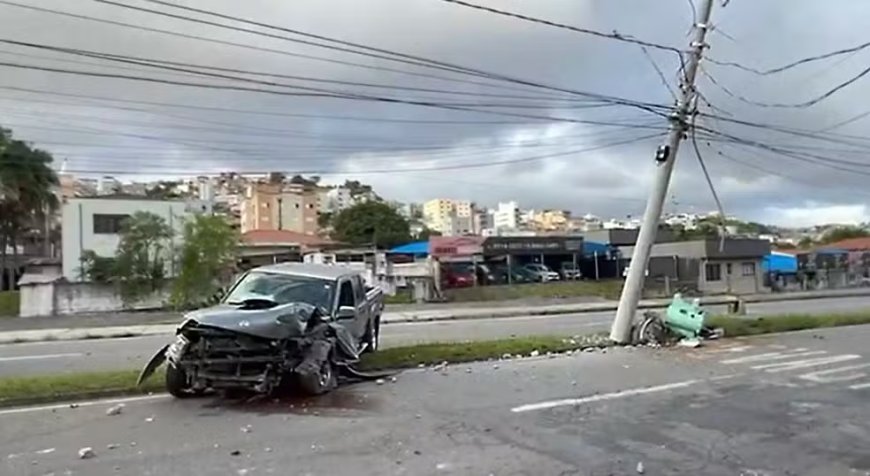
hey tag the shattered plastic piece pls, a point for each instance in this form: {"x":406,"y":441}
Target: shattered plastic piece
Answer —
{"x":73,"y":405}
{"x":115,"y":410}
{"x":149,"y":419}
{"x":268,"y":450}
{"x":380,"y":381}
{"x":639,"y":467}
{"x":235,"y":453}
{"x":506,"y":356}
{"x":442,"y":466}
{"x":692,"y":343}
{"x":45,"y":451}
{"x":246,"y":429}
{"x":86,"y":453}
{"x":112,"y":446}
{"x":534,"y":353}
{"x":393,"y":380}
{"x":468,"y":370}
{"x":495,"y":366}
{"x":589,"y":349}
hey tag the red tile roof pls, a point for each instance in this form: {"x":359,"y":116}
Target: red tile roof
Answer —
{"x":851,"y":244}
{"x":263,"y":237}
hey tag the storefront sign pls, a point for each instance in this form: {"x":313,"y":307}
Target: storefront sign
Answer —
{"x":533,"y":245}
{"x":448,"y":246}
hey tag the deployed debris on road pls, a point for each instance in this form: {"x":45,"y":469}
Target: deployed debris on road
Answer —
{"x":115,"y":410}
{"x":308,"y":322}
{"x":683,"y":323}
{"x":86,"y":453}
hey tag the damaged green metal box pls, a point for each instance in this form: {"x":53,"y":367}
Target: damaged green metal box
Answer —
{"x":685,"y":318}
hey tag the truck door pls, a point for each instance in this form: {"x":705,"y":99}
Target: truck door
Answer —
{"x":363,"y":311}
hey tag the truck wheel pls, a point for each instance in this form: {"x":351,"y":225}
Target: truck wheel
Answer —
{"x":176,"y":382}
{"x":318,"y":383}
{"x":372,"y":337}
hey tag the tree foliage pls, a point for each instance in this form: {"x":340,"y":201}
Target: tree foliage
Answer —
{"x":371,"y":222}
{"x":207,"y":260}
{"x":139,"y":266}
{"x":841,"y":233}
{"x":26,"y":191}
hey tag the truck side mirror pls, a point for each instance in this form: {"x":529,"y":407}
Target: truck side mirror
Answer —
{"x":345,"y":312}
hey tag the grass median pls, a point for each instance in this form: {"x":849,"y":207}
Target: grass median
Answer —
{"x":77,"y":386}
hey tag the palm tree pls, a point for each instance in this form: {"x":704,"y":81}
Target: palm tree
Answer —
{"x":26,"y":193}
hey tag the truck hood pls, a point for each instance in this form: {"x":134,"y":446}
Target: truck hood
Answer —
{"x":280,"y":322}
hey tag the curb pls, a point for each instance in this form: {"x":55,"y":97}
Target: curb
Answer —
{"x":68,"y":334}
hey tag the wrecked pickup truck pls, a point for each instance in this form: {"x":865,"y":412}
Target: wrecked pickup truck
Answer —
{"x":277,"y":322}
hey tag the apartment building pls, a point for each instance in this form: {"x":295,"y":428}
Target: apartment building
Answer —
{"x":280,"y":206}
{"x":449,"y":217}
{"x":506,"y":216}
{"x":550,"y":220}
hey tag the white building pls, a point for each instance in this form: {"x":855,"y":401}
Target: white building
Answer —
{"x":108,"y":185}
{"x":335,"y":199}
{"x":506,"y":216}
{"x":94,"y":223}
{"x":449,"y":217}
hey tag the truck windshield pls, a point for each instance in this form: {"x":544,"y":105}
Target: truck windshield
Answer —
{"x":282,"y":289}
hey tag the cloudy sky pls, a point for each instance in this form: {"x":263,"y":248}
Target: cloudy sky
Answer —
{"x":484,"y":139}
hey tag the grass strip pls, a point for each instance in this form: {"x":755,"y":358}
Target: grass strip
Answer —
{"x":737,"y":326}
{"x":77,"y":386}
{"x":9,"y":303}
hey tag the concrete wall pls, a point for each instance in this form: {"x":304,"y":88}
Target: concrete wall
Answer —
{"x":60,"y":298}
{"x":78,"y":226}
{"x":737,"y":276}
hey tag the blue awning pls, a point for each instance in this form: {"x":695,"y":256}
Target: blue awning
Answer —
{"x":592,"y":248}
{"x":779,"y":263}
{"x":415,"y":248}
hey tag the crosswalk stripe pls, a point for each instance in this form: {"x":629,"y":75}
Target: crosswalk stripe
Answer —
{"x":821,"y":375}
{"x":801,"y":352}
{"x":799,"y":364}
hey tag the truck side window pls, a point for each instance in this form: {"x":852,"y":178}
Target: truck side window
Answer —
{"x":345,"y":296}
{"x":359,"y":288}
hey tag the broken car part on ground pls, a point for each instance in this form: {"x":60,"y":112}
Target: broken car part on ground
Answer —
{"x":309,"y":322}
{"x":683,"y":321}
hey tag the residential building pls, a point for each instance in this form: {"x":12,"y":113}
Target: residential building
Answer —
{"x":550,"y":220}
{"x":506,"y":216}
{"x":449,"y":217}
{"x":108,"y":185}
{"x":94,"y":224}
{"x":280,"y":206}
{"x":481,"y":220}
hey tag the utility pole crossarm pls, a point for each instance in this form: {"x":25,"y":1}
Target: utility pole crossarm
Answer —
{"x":665,"y":157}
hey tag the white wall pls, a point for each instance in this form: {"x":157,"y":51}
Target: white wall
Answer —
{"x":59,"y":298}
{"x":78,"y":226}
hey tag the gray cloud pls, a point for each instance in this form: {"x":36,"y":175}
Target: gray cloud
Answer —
{"x":608,"y":181}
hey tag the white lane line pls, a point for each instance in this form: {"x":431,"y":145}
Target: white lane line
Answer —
{"x":860,"y":386}
{"x":89,"y":403}
{"x":41,"y":356}
{"x":601,"y":397}
{"x":732,"y":349}
{"x":821,"y":376}
{"x":799,"y":364}
{"x":801,"y":352}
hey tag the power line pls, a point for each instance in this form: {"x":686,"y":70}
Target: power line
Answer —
{"x":659,"y":71}
{"x":810,"y":59}
{"x":258,"y":48}
{"x":398,"y":57}
{"x":610,"y":36}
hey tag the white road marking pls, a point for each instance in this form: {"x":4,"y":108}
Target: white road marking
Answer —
{"x":732,"y":349}
{"x":799,"y":364}
{"x":90,"y":403}
{"x":820,"y":376}
{"x":800,"y":352}
{"x":41,"y":356}
{"x":860,"y":386}
{"x":601,"y":397}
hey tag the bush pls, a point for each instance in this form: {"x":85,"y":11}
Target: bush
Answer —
{"x":608,"y":289}
{"x":9,"y":303}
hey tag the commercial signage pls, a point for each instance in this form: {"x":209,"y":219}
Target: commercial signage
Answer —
{"x":448,"y":246}
{"x":533,"y":245}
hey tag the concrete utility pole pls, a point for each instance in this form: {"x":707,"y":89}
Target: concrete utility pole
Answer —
{"x":665,"y":156}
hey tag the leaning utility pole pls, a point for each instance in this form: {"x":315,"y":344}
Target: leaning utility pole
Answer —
{"x":665,"y":157}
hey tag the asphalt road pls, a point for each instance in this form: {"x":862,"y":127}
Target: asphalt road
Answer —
{"x":774,"y":406}
{"x":126,"y":353}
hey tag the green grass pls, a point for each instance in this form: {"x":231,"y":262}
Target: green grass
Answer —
{"x":735,"y":326}
{"x":66,"y":387}
{"x":72,"y":386}
{"x":608,"y":289}
{"x":402,"y":297}
{"x":9,"y":302}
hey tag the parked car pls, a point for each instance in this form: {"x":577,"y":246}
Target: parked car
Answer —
{"x":518,"y":275}
{"x":542,"y":272}
{"x":457,"y":278}
{"x":276,"y":322}
{"x":570,"y":271}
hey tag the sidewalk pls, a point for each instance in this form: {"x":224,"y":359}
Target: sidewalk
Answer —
{"x":101,"y":326}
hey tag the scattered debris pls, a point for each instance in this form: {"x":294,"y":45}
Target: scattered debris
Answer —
{"x":534,"y":353}
{"x":73,"y":405}
{"x":506,"y":356}
{"x":115,"y":410}
{"x":468,"y":370}
{"x":132,"y":443}
{"x":495,"y":366}
{"x":149,"y":419}
{"x":86,"y":453}
{"x":268,"y":450}
{"x":242,"y":472}
{"x":246,"y":429}
{"x":639,"y":467}
{"x":112,"y":446}
{"x":442,"y":466}
{"x":418,"y":416}
{"x":45,"y":451}
{"x":691,"y":343}
{"x":217,"y":445}
{"x":393,"y":380}
{"x":379,"y":381}
{"x":573,"y":383}
{"x":235,"y":453}
{"x":551,"y":355}
{"x":589,"y":349}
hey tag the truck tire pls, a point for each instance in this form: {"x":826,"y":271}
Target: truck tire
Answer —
{"x":372,"y":338}
{"x":318,"y":383}
{"x":176,"y":382}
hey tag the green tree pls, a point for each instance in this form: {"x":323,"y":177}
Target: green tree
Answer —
{"x":140,"y":262}
{"x":207,"y":260}
{"x":371,"y":223}
{"x":425,"y":233}
{"x":26,"y":193}
{"x":840,"y":233}
{"x":164,"y":190}
{"x":805,"y":243}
